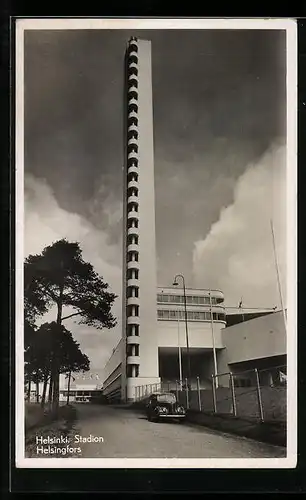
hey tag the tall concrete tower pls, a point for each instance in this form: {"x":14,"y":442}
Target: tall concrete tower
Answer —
{"x":140,"y":359}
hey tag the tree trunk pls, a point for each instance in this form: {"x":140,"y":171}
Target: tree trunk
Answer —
{"x":56,"y":371}
{"x":29,"y":389}
{"x":44,"y":393}
{"x":68,"y":392}
{"x":50,"y":390}
{"x":37,"y":391}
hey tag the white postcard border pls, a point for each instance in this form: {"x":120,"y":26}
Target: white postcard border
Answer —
{"x":290,"y":26}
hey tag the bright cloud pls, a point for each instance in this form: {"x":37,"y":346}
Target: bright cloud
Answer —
{"x":45,"y":223}
{"x":237,"y":254}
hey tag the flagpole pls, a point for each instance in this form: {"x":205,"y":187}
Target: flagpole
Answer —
{"x":179,"y":349}
{"x":242,"y":314}
{"x":213,"y":342}
{"x":277,"y":274}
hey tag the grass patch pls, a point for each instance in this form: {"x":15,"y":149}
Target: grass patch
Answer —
{"x":52,"y":433}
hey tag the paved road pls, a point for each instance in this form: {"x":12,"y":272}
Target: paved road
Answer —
{"x":128,"y":434}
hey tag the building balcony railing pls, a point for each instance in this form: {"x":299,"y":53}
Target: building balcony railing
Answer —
{"x":133,"y":231}
{"x":133,"y":171}
{"x":133,"y":155}
{"x":133,"y":101}
{"x":133,"y":184}
{"x":133,"y":128}
{"x":133,"y":77}
{"x":133,"y":43}
{"x":134,"y":221}
{"x":133,"y":53}
{"x":134,"y":283}
{"x":132,"y":98}
{"x":133,"y":141}
{"x":133,"y":247}
{"x":133,"y":301}
{"x":133,"y":89}
{"x":132,"y":214}
{"x":133,"y":199}
{"x":132,"y":114}
{"x":133,"y":360}
{"x":133,"y":339}
{"x":133,"y":264}
{"x":133,"y":65}
{"x":133,"y":320}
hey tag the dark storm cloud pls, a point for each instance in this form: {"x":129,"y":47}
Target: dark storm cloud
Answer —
{"x":218,"y":104}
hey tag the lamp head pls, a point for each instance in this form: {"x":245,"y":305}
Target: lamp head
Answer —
{"x":175,"y":283}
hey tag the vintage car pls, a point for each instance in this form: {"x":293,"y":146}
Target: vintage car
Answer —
{"x":164,"y":405}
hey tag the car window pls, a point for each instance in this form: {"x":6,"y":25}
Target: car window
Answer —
{"x":166,"y":398}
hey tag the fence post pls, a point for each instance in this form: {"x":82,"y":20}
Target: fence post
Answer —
{"x":199,"y":393}
{"x":233,"y":394}
{"x":187,"y":394}
{"x":259,"y":395}
{"x":214,"y":393}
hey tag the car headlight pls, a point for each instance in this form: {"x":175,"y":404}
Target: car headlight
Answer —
{"x":181,"y":409}
{"x":161,"y":409}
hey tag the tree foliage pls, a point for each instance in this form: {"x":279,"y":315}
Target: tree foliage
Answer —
{"x":53,"y":339}
{"x":61,"y":266}
{"x":46,"y":342}
{"x":60,"y":277}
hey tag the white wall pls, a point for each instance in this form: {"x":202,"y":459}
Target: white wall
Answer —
{"x":170,"y":333}
{"x":257,"y":338}
{"x":147,"y":251}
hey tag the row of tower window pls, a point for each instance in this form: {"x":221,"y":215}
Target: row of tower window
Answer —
{"x":132,"y":274}
{"x":132,"y":206}
{"x":190,"y":299}
{"x":133,"y":120}
{"x":132,"y":191}
{"x":133,"y":310}
{"x":133,"y":70}
{"x":132,"y":291}
{"x":132,"y":330}
{"x":132,"y":371}
{"x":132,"y":350}
{"x":132,"y":239}
{"x":132,"y":223}
{"x":132,"y":177}
{"x":133,"y":44}
{"x":191,"y":315}
{"x":133,"y":256}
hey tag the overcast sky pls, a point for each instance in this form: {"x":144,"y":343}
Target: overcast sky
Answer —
{"x":219,"y":133}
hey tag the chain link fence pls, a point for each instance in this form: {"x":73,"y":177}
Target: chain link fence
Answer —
{"x":258,"y":394}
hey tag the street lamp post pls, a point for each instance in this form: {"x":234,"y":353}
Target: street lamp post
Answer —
{"x":213,"y":342}
{"x":175,"y":283}
{"x":179,"y":350}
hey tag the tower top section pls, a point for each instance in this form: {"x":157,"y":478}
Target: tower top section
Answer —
{"x":132,"y":42}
